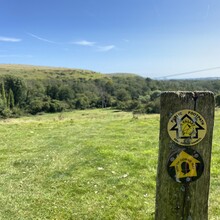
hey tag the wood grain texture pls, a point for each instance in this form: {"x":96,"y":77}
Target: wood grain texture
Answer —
{"x":175,"y":201}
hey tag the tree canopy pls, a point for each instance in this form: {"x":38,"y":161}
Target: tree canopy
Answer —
{"x":32,"y":91}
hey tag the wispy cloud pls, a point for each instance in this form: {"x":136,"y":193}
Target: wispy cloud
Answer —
{"x":9,"y":39}
{"x":41,"y":39}
{"x":106,"y":48}
{"x":126,"y":40}
{"x":207,"y":11}
{"x":84,"y":43}
{"x":95,"y":45}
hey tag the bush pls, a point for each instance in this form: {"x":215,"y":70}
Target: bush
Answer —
{"x":6,"y":113}
{"x":47,"y":105}
{"x":36,"y":106}
{"x":217,"y":100}
{"x":57,"y":106}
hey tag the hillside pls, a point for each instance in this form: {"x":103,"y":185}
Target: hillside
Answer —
{"x":44,"y":72}
{"x":26,"y":89}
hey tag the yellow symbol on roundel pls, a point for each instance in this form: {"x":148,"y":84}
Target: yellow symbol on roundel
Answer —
{"x":187,"y":127}
{"x":185,"y":165}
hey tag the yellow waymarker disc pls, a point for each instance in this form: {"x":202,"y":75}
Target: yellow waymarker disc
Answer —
{"x":185,"y":165}
{"x":187,"y":127}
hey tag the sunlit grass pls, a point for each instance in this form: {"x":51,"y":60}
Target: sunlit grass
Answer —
{"x":30,"y":72}
{"x":95,"y":164}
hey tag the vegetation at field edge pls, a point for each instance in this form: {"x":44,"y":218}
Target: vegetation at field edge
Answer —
{"x":35,"y":89}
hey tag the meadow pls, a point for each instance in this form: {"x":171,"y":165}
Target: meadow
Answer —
{"x":90,"y":164}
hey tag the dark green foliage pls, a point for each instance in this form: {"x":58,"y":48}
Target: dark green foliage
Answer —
{"x":53,"y":91}
{"x":57,"y":106}
{"x":2,"y":105}
{"x":46,"y":105}
{"x":3,"y":95}
{"x":217,"y":100}
{"x":82,"y":102}
{"x":17,"y":86}
{"x":155,"y":95}
{"x":123,"y":95}
{"x":65,"y":93}
{"x":38,"y":105}
{"x":61,"y":90}
{"x":11,"y":100}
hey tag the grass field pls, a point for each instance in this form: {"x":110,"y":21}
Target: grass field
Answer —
{"x":95,"y":164}
{"x":29,"y":72}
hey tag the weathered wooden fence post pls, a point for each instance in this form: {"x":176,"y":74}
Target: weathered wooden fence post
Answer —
{"x":183,"y":174}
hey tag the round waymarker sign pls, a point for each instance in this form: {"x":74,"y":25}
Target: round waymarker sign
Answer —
{"x":187,"y":127}
{"x":185,"y":165}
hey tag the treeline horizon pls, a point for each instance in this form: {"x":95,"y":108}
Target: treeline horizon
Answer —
{"x":23,"y":92}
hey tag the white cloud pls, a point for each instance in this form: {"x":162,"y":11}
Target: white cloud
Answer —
{"x":9,"y":39}
{"x":41,"y":39}
{"x":126,"y":40}
{"x":85,"y":43}
{"x":106,"y":48}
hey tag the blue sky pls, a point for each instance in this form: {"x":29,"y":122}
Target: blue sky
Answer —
{"x":152,"y":38}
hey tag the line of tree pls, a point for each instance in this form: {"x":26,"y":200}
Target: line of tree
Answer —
{"x":19,"y":96}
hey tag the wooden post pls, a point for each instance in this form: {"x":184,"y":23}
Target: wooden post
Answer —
{"x":183,"y":182}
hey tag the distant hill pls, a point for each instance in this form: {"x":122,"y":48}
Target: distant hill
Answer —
{"x":43,"y":72}
{"x":27,"y":89}
{"x":207,"y":78}
{"x":46,"y":72}
{"x":124,"y":74}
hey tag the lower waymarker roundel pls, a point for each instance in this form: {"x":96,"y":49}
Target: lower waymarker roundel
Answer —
{"x":185,"y":165}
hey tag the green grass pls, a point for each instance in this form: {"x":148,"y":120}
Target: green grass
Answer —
{"x":214,"y":201}
{"x":95,"y":164}
{"x":29,"y":72}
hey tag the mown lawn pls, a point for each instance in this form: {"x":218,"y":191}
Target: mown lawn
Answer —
{"x":95,"y":164}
